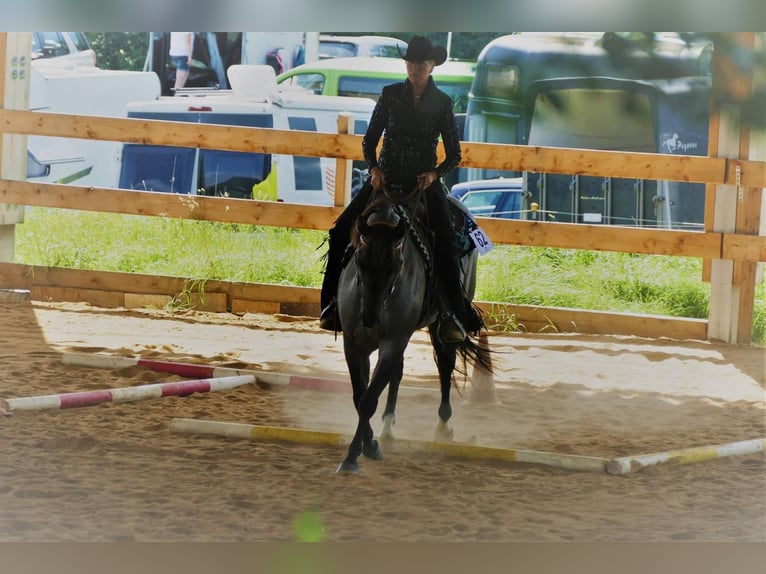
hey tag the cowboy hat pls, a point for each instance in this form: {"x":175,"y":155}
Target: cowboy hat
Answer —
{"x":420,"y":49}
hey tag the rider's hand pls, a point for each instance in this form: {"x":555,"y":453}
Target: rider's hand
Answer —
{"x":377,"y":179}
{"x":426,"y":179}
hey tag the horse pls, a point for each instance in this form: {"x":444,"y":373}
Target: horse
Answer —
{"x":385,"y":294}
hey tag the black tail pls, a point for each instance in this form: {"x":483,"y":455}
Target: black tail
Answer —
{"x":475,"y":351}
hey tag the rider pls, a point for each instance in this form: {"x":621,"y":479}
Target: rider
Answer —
{"x":413,"y":114}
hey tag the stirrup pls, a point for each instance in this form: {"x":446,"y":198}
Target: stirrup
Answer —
{"x":328,"y":318}
{"x":449,"y":330}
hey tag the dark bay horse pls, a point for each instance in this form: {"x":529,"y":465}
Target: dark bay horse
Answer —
{"x":384,"y":296}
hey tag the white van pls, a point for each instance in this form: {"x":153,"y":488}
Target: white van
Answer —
{"x":253,"y":102}
{"x":82,"y":90}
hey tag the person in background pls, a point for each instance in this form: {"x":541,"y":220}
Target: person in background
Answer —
{"x":181,"y":47}
{"x":413,"y":114}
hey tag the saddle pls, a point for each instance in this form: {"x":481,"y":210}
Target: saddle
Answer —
{"x":404,"y":204}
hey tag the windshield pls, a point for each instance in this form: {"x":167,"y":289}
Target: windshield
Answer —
{"x":231,"y":174}
{"x":157,"y":168}
{"x":331,"y":49}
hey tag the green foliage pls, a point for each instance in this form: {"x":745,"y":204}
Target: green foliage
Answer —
{"x":120,"y":50}
{"x":203,"y":251}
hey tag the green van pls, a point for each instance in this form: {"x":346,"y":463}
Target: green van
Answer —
{"x":364,"y":77}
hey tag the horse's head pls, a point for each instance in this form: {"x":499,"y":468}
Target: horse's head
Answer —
{"x":379,"y":256}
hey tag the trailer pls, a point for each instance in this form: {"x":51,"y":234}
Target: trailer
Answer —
{"x":254,"y":101}
{"x":83,"y":90}
{"x":604,"y":91}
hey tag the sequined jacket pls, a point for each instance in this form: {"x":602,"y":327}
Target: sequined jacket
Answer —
{"x":411,"y":133}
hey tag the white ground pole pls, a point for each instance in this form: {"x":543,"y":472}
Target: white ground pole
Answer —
{"x":304,"y":436}
{"x":628,"y":464}
{"x":122,"y":395}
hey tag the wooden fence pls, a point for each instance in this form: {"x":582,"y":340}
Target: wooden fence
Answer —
{"x":730,"y":244}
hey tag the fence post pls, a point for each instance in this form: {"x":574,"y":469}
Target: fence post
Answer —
{"x":733,"y":208}
{"x":343,"y":165}
{"x":15,"y":71}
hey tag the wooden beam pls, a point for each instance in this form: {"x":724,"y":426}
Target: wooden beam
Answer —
{"x":295,"y":142}
{"x":602,"y":237}
{"x":737,"y":204}
{"x":536,"y":319}
{"x":111,"y":289}
{"x":15,"y":50}
{"x":159,"y":204}
{"x":342,"y":183}
{"x":564,"y":235}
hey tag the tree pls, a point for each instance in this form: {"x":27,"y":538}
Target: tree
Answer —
{"x":120,"y":50}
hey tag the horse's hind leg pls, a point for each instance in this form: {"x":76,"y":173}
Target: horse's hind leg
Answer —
{"x":389,"y":413}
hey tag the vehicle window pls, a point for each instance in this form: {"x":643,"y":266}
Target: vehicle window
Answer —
{"x":80,"y":41}
{"x":336,"y":50}
{"x":604,"y":119}
{"x":390,"y":51}
{"x":358,"y":87}
{"x":49,"y":45}
{"x":230,"y":173}
{"x":483,"y":202}
{"x":308,"y":170}
{"x":313,"y":82}
{"x":458,"y":93}
{"x":157,"y":168}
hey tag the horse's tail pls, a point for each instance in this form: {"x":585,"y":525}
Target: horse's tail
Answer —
{"x":475,"y":351}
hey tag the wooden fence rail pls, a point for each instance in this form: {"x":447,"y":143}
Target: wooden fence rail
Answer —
{"x":502,"y":156}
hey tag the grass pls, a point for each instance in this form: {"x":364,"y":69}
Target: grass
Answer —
{"x":594,"y":280}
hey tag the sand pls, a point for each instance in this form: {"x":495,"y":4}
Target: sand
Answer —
{"x":115,"y":472}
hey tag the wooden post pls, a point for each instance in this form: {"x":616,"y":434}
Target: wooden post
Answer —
{"x":343,"y":165}
{"x":15,"y":50}
{"x":732,"y":208}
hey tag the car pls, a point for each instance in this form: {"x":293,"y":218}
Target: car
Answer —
{"x":331,"y":46}
{"x":365,"y":77}
{"x":501,"y":197}
{"x":67,"y":48}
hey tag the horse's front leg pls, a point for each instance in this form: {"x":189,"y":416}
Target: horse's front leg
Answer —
{"x":445,"y":363}
{"x":389,"y":368}
{"x":363,"y":441}
{"x":358,"y":362}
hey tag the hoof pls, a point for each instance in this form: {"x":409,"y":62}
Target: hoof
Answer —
{"x":348,"y":468}
{"x":444,"y":432}
{"x":387,"y":434}
{"x":373,"y":451}
{"x":387,"y":440}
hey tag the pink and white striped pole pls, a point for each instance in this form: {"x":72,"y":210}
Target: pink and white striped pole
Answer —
{"x":204,"y":371}
{"x":181,"y":369}
{"x":123,"y":395}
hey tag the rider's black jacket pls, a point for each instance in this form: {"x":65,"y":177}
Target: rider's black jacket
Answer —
{"x":411,"y":133}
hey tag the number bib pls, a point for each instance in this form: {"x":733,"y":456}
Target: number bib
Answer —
{"x":481,"y":241}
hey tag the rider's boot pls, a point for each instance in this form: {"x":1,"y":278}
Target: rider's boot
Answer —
{"x":338,"y":239}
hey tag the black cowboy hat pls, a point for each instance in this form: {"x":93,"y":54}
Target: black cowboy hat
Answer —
{"x":420,"y":49}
